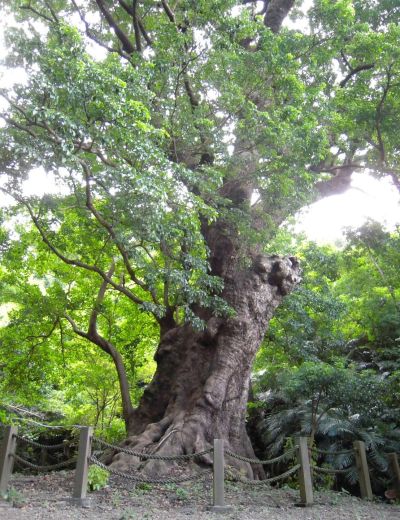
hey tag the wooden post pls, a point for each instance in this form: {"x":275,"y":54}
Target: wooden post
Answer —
{"x":6,"y":457}
{"x":43,"y":456}
{"x":218,"y":479}
{"x":82,"y":467}
{"x":305,"y":481}
{"x":394,"y":466}
{"x":362,"y":468}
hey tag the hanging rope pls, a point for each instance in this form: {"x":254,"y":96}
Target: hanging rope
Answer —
{"x":37,"y":467}
{"x":144,"y":455}
{"x":269,"y":480}
{"x":50,"y":447}
{"x":284,"y":456}
{"x":329,"y":471}
{"x":148,"y":480}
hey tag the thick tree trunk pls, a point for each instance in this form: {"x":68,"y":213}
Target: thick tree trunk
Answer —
{"x":200,"y":388}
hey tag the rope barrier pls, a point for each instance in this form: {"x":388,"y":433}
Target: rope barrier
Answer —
{"x":48,"y":426}
{"x":51,"y":467}
{"x":25,"y":440}
{"x":270,"y":480}
{"x":37,"y":423}
{"x":155,"y":480}
{"x":144,"y":455}
{"x":257,"y":461}
{"x":329,"y":471}
{"x":326,"y":452}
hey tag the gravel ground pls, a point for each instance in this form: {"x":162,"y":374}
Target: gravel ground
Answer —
{"x":46,"y":497}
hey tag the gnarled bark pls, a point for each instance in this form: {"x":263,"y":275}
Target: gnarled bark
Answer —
{"x":200,"y":389}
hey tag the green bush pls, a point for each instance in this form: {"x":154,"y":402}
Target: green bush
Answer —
{"x":97,"y":478}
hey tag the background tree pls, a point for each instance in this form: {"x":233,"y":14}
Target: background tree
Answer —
{"x":328,"y":366}
{"x":202,"y":127}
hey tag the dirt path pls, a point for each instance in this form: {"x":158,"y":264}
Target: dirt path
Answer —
{"x":46,"y":497}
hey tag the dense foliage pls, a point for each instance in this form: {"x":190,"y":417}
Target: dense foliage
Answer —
{"x":329,"y":366}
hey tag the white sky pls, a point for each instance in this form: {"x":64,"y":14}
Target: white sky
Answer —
{"x":323,"y":221}
{"x":368,"y":198}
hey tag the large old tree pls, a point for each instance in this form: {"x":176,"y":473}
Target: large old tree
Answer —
{"x":182,"y":134}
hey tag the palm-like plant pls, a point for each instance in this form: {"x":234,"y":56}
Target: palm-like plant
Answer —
{"x":332,"y":406}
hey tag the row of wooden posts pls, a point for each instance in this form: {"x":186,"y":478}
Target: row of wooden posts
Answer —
{"x":79,"y":494}
{"x":305,"y":473}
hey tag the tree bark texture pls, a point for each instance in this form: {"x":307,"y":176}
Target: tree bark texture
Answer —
{"x":200,"y":389}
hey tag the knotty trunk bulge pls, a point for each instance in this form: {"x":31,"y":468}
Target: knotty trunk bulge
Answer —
{"x":200,"y":389}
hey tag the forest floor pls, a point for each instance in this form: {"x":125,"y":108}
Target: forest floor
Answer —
{"x":46,"y":497}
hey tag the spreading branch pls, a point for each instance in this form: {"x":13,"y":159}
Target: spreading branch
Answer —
{"x":276,"y":12}
{"x":379,"y":118}
{"x":106,"y":225}
{"x":52,"y":11}
{"x":120,"y":34}
{"x":28,"y":7}
{"x":106,"y":346}
{"x":132,"y":11}
{"x":96,"y":338}
{"x":52,"y":136}
{"x":91,"y":34}
{"x":71,"y":261}
{"x":168,"y":11}
{"x":136,"y":26}
{"x":354,"y":72}
{"x":337,"y":184}
{"x":92,"y":330}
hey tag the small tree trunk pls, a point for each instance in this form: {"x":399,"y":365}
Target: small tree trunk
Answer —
{"x":200,"y":389}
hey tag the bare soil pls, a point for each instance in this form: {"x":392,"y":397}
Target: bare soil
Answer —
{"x":46,"y":497}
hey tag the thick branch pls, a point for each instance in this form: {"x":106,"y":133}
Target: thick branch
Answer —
{"x":378,"y":119}
{"x":276,"y":12}
{"x":103,"y":222}
{"x":136,"y":27}
{"x":337,"y":184}
{"x":19,"y":126}
{"x":94,"y":337}
{"x":393,"y":175}
{"x":335,"y":168}
{"x":78,"y":263}
{"x":28,"y":7}
{"x":355,"y":71}
{"x":194,"y":102}
{"x":123,"y":38}
{"x":52,"y":11}
{"x":145,"y":34}
{"x":133,"y":12}
{"x":99,"y":300}
{"x":128,"y":8}
{"x":90,"y":34}
{"x":168,"y":11}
